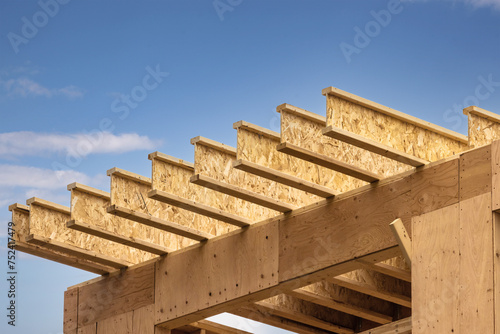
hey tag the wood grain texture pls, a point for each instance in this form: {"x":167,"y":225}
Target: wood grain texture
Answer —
{"x":222,"y":270}
{"x":475,"y":172}
{"x":121,"y":323}
{"x":495,"y":175}
{"x":403,"y":326}
{"x":88,"y":329}
{"x":436,"y":271}
{"x":143,"y":320}
{"x":70,"y":318}
{"x":476,"y":265}
{"x":116,"y":294}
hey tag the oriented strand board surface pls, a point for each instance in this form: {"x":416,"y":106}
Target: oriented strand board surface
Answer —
{"x":390,"y":131}
{"x":91,"y":209}
{"x":175,"y":180}
{"x":50,"y":223}
{"x":482,"y":131}
{"x":133,"y":195}
{"x":219,"y":165}
{"x":261,"y":149}
{"x":20,"y":218}
{"x":300,"y":131}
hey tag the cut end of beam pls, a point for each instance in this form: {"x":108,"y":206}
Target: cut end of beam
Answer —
{"x":213,"y":144}
{"x":169,"y":159}
{"x":257,"y":129}
{"x":17,"y":206}
{"x":129,"y":175}
{"x":48,"y":205}
{"x":302,"y":113}
{"x":89,"y":190}
{"x":482,"y":113}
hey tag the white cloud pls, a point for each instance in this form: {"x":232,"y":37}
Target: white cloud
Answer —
{"x":25,"y":143}
{"x":24,"y":87}
{"x":38,"y":178}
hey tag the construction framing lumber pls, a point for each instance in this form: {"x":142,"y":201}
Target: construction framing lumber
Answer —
{"x":403,"y":326}
{"x":388,"y":270}
{"x":373,"y":146}
{"x":328,"y":162}
{"x":403,"y":238}
{"x":127,"y":241}
{"x":76,"y":251}
{"x":202,"y":209}
{"x":284,"y":178}
{"x":371,"y":290}
{"x":244,"y":194}
{"x":340,"y":306}
{"x":158,"y":223}
{"x":300,"y":317}
{"x":394,"y":113}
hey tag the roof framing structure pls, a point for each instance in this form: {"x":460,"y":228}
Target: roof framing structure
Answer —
{"x":291,"y":229}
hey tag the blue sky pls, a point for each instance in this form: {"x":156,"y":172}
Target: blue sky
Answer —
{"x":89,"y":85}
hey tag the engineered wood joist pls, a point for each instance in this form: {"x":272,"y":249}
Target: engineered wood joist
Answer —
{"x":373,"y":146}
{"x":271,"y":196}
{"x":284,"y":178}
{"x":76,"y":251}
{"x":370,"y":105}
{"x":207,"y":209}
{"x":160,"y":224}
{"x":302,"y":318}
{"x":47,"y":221}
{"x":256,"y":149}
{"x":484,"y":126}
{"x":371,"y":290}
{"x":244,"y":194}
{"x":202,"y":209}
{"x":216,"y":328}
{"x":390,"y":127}
{"x":340,"y":306}
{"x":127,"y":241}
{"x":328,"y":162}
{"x":388,"y":270}
{"x":403,"y":326}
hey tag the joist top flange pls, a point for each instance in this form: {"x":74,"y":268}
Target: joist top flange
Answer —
{"x":48,"y":205}
{"x":213,"y":144}
{"x":169,"y":159}
{"x":394,"y":113}
{"x":18,"y":206}
{"x":301,"y":112}
{"x":257,"y":129}
{"x":89,"y":190}
{"x":483,"y":113}
{"x":129,"y":175}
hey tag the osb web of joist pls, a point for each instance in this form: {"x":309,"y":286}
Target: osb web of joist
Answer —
{"x":257,"y":145}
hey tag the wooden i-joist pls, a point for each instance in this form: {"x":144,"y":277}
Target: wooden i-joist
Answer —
{"x":291,"y":229}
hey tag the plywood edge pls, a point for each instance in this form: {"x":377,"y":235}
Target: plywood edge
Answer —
{"x":89,"y":190}
{"x":214,"y":144}
{"x":18,"y":206}
{"x":257,"y":129}
{"x":396,"y":114}
{"x":169,"y":159}
{"x":48,"y":205}
{"x":129,"y":175}
{"x":402,"y":326}
{"x":482,"y":113}
{"x":302,"y":113}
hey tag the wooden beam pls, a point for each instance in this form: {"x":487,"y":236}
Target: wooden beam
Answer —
{"x":253,"y":313}
{"x":394,"y":113}
{"x":112,"y":236}
{"x":257,"y":129}
{"x":302,"y":113}
{"x":217,"y":328}
{"x":158,"y":223}
{"x":371,"y":290}
{"x":202,"y":209}
{"x":388,"y":270}
{"x":284,"y":178}
{"x":214,"y":144}
{"x":403,"y":238}
{"x":340,"y":306}
{"x":328,"y":162}
{"x":373,"y":146}
{"x":250,"y":196}
{"x":403,"y":326}
{"x":61,"y":257}
{"x":76,"y":251}
{"x":302,"y":318}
